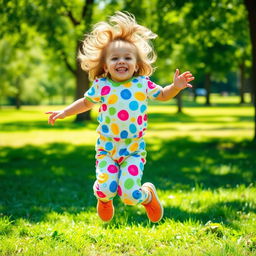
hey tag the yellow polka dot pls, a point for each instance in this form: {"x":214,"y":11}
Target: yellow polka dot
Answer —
{"x":115,"y":129}
{"x":100,"y":156}
{"x":128,"y":201}
{"x":112,"y":99}
{"x":134,"y":146}
{"x":103,"y":177}
{"x":96,"y":99}
{"x":133,"y":119}
{"x":140,"y":96}
{"x":127,"y":85}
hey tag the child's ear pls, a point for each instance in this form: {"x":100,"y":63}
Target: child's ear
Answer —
{"x":137,"y":68}
{"x":105,"y":68}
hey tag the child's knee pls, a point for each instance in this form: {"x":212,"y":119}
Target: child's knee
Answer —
{"x":104,"y":191}
{"x":132,"y":197}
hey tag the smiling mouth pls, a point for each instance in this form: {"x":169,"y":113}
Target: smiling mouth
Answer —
{"x":122,"y":70}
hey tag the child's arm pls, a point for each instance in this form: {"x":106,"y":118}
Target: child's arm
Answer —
{"x":180,"y":82}
{"x":79,"y":106}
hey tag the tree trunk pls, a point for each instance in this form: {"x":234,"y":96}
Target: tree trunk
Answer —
{"x":251,"y":8}
{"x":208,"y":88}
{"x":242,"y":83}
{"x":82,"y":85}
{"x":179,"y":102}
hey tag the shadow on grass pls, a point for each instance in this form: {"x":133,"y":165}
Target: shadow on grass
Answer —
{"x":59,"y":177}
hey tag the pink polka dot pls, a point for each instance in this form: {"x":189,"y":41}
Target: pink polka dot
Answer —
{"x":139,"y":120}
{"x":143,"y":160}
{"x":123,"y":115}
{"x":117,"y":139}
{"x":112,"y":168}
{"x":100,"y":194}
{"x":140,"y":134}
{"x":104,"y":107}
{"x":145,"y":117}
{"x":133,"y":170}
{"x":151,"y":85}
{"x":119,"y":191}
{"x":105,"y":90}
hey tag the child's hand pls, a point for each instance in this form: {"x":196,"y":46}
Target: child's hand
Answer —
{"x":182,"y":81}
{"x":55,"y":115}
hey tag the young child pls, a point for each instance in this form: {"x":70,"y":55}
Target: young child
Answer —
{"x":118,"y":57}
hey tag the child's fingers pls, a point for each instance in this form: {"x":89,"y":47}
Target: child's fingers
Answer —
{"x":176,"y":74}
{"x":189,"y":79}
{"x":189,"y":85}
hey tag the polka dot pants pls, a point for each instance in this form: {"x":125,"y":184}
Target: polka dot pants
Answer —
{"x":119,"y":169}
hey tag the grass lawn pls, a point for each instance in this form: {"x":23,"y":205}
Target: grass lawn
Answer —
{"x":202,"y":162}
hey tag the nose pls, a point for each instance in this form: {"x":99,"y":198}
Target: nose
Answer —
{"x":121,"y":61}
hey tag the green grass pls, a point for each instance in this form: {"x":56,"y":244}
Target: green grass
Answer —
{"x":202,"y":162}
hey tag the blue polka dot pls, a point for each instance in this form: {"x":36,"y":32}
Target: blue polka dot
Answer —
{"x":105,"y":128}
{"x":135,"y":80}
{"x":119,"y":174}
{"x":98,"y":141}
{"x":103,"y":79}
{"x":136,"y":194}
{"x":123,"y":152}
{"x":134,"y":105}
{"x":136,"y":156}
{"x":126,"y":94}
{"x":156,"y":94}
{"x":132,"y":128}
{"x":143,"y":108}
{"x":102,"y":99}
{"x":109,"y":146}
{"x":113,"y":186}
{"x":141,"y":166}
{"x":142,"y":145}
{"x":124,"y":134}
{"x":91,"y":92}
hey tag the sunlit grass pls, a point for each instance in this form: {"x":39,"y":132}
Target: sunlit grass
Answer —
{"x":202,"y":163}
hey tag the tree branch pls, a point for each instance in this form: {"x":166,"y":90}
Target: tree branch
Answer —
{"x":68,"y":65}
{"x":72,"y":18}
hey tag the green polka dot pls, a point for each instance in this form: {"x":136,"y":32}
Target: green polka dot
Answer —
{"x":128,"y":141}
{"x":139,"y":85}
{"x":129,"y":183}
{"x":112,"y":111}
{"x":107,"y":120}
{"x":144,"y":154}
{"x":124,"y":164}
{"x":103,"y":164}
{"x":138,"y":182}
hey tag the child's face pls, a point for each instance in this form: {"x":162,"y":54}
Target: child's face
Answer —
{"x":121,"y":61}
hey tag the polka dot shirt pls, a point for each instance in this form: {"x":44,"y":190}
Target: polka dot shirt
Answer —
{"x":123,"y":109}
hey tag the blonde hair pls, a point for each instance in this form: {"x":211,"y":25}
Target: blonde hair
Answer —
{"x":121,"y":27}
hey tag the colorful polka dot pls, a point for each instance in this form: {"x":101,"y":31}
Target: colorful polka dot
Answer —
{"x":124,"y":134}
{"x":109,"y":146}
{"x":115,"y":129}
{"x":112,"y":111}
{"x":143,"y":108}
{"x":132,"y":128}
{"x":112,"y":168}
{"x":123,"y":115}
{"x":136,"y":194}
{"x":103,"y":164}
{"x":126,"y":94}
{"x":113,"y":186}
{"x":129,"y":183}
{"x":133,"y":170}
{"x":105,"y":128}
{"x":112,"y":99}
{"x":151,"y":85}
{"x":139,"y":120}
{"x":140,"y":96}
{"x":103,"y":177}
{"x":105,"y":90}
{"x":100,"y":194}
{"x":133,"y":105}
{"x":119,"y":191}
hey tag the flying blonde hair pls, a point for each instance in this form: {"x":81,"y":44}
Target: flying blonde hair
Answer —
{"x":121,"y":27}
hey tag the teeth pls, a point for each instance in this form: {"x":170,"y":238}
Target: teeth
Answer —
{"x":121,"y":69}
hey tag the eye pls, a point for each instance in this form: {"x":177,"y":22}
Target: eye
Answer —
{"x":114,"y":58}
{"x":128,"y":58}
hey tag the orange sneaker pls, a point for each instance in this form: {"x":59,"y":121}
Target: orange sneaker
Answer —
{"x":154,"y":208}
{"x":105,"y":210}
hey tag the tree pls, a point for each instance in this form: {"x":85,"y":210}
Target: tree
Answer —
{"x":251,"y":8}
{"x":61,"y":22}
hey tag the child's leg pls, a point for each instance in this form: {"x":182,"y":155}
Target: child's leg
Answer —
{"x":105,"y":187}
{"x":129,"y":189}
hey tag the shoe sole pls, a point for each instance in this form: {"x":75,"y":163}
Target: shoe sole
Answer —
{"x":148,"y":184}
